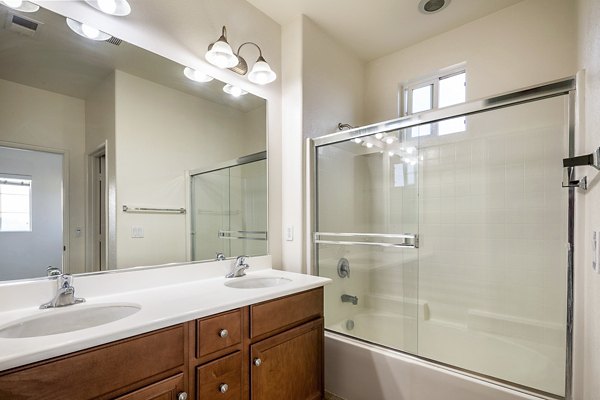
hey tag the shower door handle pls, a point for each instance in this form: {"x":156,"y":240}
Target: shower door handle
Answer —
{"x":409,"y":240}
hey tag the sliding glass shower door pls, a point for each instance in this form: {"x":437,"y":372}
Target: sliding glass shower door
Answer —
{"x":453,"y":245}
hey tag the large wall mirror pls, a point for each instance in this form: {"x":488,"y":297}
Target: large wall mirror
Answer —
{"x":106,"y":155}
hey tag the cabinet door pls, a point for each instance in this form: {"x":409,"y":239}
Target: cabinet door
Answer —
{"x":289,"y":365}
{"x":167,"y":389}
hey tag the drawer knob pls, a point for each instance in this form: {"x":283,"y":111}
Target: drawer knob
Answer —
{"x":223,"y":387}
{"x":257,"y":362}
{"x":182,"y":396}
{"x":223,"y":333}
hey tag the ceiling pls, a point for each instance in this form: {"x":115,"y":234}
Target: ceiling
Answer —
{"x":374,"y":28}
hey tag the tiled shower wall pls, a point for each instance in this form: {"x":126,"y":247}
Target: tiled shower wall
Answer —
{"x":493,"y":223}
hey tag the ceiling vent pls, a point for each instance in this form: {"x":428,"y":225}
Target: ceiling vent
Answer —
{"x":114,"y":40}
{"x":22,"y":25}
{"x":432,"y":6}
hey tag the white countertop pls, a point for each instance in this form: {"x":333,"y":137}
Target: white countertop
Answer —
{"x":186,"y":297}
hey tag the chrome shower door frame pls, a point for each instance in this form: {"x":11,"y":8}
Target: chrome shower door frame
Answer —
{"x":562,"y":87}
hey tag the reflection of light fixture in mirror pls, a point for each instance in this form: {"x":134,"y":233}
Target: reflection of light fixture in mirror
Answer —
{"x":234,"y":90}
{"x":20,"y":5}
{"x":119,"y":8}
{"x":369,"y":145}
{"x":378,"y":136}
{"x":196,"y":76}
{"x":221,"y":55}
{"x":357,"y":140}
{"x":389,"y":140}
{"x":87,"y":31}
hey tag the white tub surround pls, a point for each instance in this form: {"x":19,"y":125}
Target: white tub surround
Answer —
{"x":167,"y":296}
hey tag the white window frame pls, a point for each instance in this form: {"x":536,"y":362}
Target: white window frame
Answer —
{"x":407,"y":89}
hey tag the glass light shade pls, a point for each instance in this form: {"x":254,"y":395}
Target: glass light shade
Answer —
{"x":261,"y":73}
{"x":119,"y":8}
{"x":87,"y":31}
{"x":20,"y":5}
{"x":196,"y":76}
{"x":234,"y":90}
{"x":221,"y":55}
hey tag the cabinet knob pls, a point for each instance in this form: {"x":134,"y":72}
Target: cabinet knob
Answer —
{"x":223,"y":387}
{"x":257,"y":362}
{"x":182,"y":396}
{"x":223,"y":333}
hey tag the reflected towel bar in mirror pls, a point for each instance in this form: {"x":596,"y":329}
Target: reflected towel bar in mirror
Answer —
{"x":153,"y":210}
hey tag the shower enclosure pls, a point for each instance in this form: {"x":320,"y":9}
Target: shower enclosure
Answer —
{"x":447,"y":236}
{"x":229,"y":209}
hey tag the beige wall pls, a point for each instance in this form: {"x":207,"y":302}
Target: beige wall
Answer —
{"x":322,"y":85}
{"x":522,"y":45}
{"x":160,"y":134}
{"x":589,"y":220}
{"x":39,"y":118}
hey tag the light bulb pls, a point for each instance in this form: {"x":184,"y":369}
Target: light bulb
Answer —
{"x":390,"y":153}
{"x":221,"y":55}
{"x":378,"y":136}
{"x":261,"y":73}
{"x":369,"y":145}
{"x":234,"y":90}
{"x":389,"y":140}
{"x":357,"y":140}
{"x":87,"y":31}
{"x":196,"y":76}
{"x":13,"y":3}
{"x":90,"y":31}
{"x":119,"y":8}
{"x":107,"y":6}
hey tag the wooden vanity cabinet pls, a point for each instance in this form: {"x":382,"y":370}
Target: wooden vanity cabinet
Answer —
{"x":148,"y":366}
{"x":267,"y":351}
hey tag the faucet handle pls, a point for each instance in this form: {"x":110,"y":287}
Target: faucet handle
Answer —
{"x":240,"y":260}
{"x":65,"y":280}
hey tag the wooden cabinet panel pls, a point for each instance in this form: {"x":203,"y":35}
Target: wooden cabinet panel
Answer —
{"x":226,"y":370}
{"x":98,"y":371}
{"x":274,"y":315}
{"x":211,"y":336}
{"x":167,"y":389}
{"x":291,"y":365}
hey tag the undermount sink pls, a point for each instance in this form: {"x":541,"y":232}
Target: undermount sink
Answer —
{"x":256,"y":283}
{"x":54,"y":321}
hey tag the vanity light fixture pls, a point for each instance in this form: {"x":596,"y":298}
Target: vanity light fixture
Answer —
{"x":20,"y":5}
{"x":87,"y":31}
{"x":196,"y":76}
{"x":119,"y":8}
{"x":235,"y":91}
{"x":221,"y":55}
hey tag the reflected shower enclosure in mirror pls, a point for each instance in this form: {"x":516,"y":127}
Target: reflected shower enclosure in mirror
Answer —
{"x":119,"y":128}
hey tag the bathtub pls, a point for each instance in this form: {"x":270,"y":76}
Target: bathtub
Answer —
{"x":355,"y":370}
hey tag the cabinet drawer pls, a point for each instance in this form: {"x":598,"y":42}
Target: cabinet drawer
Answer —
{"x":167,"y":389}
{"x":221,"y":379}
{"x":219,"y":332}
{"x":94,"y":373}
{"x":276,"y":314}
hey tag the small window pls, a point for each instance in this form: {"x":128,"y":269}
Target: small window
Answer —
{"x":436,"y":92}
{"x":15,"y":203}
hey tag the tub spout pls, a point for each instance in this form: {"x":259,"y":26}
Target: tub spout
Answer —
{"x":346,"y":298}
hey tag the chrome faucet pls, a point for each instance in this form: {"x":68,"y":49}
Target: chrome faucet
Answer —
{"x":346,"y":298}
{"x":65,"y":293}
{"x":220,"y":257}
{"x":239,"y":267}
